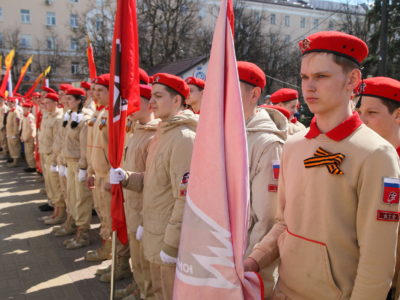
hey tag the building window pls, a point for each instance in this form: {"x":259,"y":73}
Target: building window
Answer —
{"x":74,"y":45}
{"x":25,"y":16}
{"x":73,"y":20}
{"x":287,"y":39}
{"x":75,"y":68}
{"x":99,"y":2}
{"x":302,"y":22}
{"x":273,"y":19}
{"x":51,"y":19}
{"x":99,"y":23}
{"x":1,"y":40}
{"x":73,"y":1}
{"x":25,"y":41}
{"x":287,"y":21}
{"x":51,"y":43}
{"x":1,"y":13}
{"x":316,"y":23}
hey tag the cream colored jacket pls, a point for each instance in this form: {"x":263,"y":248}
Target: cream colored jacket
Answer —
{"x":13,"y":123}
{"x":295,"y":127}
{"x":134,"y":160}
{"x":265,"y":140}
{"x":76,"y":141}
{"x":48,"y":133}
{"x":168,"y":160}
{"x":3,"y":111}
{"x":328,"y":234}
{"x":28,"y":133}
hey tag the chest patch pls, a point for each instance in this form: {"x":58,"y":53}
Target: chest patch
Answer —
{"x":276,"y":166}
{"x":391,"y":189}
{"x":389,"y":216}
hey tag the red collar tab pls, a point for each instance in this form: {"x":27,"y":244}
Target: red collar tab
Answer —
{"x":100,"y":107}
{"x":338,"y":133}
{"x":398,"y":151}
{"x":294,"y":120}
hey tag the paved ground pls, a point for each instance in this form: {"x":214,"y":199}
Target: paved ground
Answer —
{"x":34,"y":265}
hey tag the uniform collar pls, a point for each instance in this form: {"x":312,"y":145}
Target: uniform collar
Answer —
{"x":338,"y":133}
{"x":398,"y":151}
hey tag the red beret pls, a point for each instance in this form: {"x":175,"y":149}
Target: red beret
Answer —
{"x":284,"y":95}
{"x":48,"y":90}
{"x":36,"y":94}
{"x":174,"y":82}
{"x":335,"y":42}
{"x":103,"y":79}
{"x":52,"y":96}
{"x":65,"y":86}
{"x":196,"y":81}
{"x":251,"y":74}
{"x":143,"y":76}
{"x":12,"y":99}
{"x":283,"y":110}
{"x":27,"y":104}
{"x":151,"y":79}
{"x":76,"y":91}
{"x":85,"y":85}
{"x":381,"y":87}
{"x":145,"y":91}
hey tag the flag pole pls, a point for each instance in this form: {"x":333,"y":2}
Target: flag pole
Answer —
{"x":113,"y":254}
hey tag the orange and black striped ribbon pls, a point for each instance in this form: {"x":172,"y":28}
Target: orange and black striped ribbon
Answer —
{"x":324,"y":158}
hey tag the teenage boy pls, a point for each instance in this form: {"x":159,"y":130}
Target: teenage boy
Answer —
{"x":196,"y":86}
{"x":338,"y":191}
{"x":28,"y":135}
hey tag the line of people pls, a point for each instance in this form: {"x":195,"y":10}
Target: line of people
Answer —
{"x":324,"y":203}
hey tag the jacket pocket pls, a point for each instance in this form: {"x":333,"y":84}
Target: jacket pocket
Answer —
{"x":305,"y":271}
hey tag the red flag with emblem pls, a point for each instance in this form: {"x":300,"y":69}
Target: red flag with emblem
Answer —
{"x":231,"y":17}
{"x":124,"y":98}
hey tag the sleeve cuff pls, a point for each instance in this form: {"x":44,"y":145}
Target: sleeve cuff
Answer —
{"x":171,"y":251}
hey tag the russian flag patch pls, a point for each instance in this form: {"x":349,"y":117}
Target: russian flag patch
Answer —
{"x":276,"y":166}
{"x":391,"y":189}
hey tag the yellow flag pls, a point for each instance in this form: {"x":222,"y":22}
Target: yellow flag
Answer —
{"x":47,"y":71}
{"x":9,"y":58}
{"x":26,"y":66}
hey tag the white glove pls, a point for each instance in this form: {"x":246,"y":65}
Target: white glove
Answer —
{"x":166,"y":259}
{"x":54,"y":168}
{"x":116,"y":175}
{"x":82,"y":175}
{"x":66,"y":117}
{"x":74,"y":117}
{"x":139,"y":233}
{"x":65,"y":172}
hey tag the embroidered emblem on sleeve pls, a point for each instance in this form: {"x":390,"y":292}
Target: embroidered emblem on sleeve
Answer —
{"x":184,"y":183}
{"x":324,"y":158}
{"x":390,"y":216}
{"x":391,"y":189}
{"x":276,"y":166}
{"x":272,"y":188}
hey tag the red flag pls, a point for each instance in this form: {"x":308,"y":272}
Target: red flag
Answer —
{"x":37,"y":81}
{"x":214,"y":229}
{"x":91,"y":63}
{"x":231,"y":16}
{"x":124,"y":98}
{"x":24,"y":69}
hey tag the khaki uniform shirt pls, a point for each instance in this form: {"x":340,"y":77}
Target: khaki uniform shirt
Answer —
{"x":89,"y":139}
{"x":169,"y":157}
{"x":76,"y":141}
{"x":134,"y":160}
{"x":48,"y":133}
{"x":295,"y":127}
{"x":13,"y":126}
{"x":28,"y":128}
{"x":336,"y":235}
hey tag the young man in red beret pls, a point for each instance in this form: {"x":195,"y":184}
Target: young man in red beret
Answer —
{"x":13,"y":130}
{"x":28,"y":135}
{"x":141,"y":129}
{"x":380,"y":111}
{"x":338,"y":216}
{"x":47,"y":135}
{"x":167,"y":162}
{"x":196,"y":86}
{"x":289,"y":99}
{"x":265,"y":141}
{"x":3,"y":137}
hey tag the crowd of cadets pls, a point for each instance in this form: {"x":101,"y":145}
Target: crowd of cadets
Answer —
{"x":330,"y":222}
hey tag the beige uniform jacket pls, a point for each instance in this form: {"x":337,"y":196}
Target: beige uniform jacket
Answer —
{"x":295,"y":127}
{"x":89,"y":146}
{"x":76,"y":141}
{"x":265,"y":141}
{"x":335,"y":235}
{"x":99,"y":163}
{"x":59,"y":141}
{"x":48,"y":133}
{"x":134,"y":160}
{"x":14,"y":124}
{"x":28,"y":128}
{"x":169,"y":157}
{"x":3,"y":111}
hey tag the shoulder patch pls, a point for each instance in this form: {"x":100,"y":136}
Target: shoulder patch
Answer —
{"x":391,"y":189}
{"x":272,"y":188}
{"x":276,"y":166}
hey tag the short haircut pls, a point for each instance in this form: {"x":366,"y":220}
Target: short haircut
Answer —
{"x":346,"y":64}
{"x":174,"y":93}
{"x":390,"y":104}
